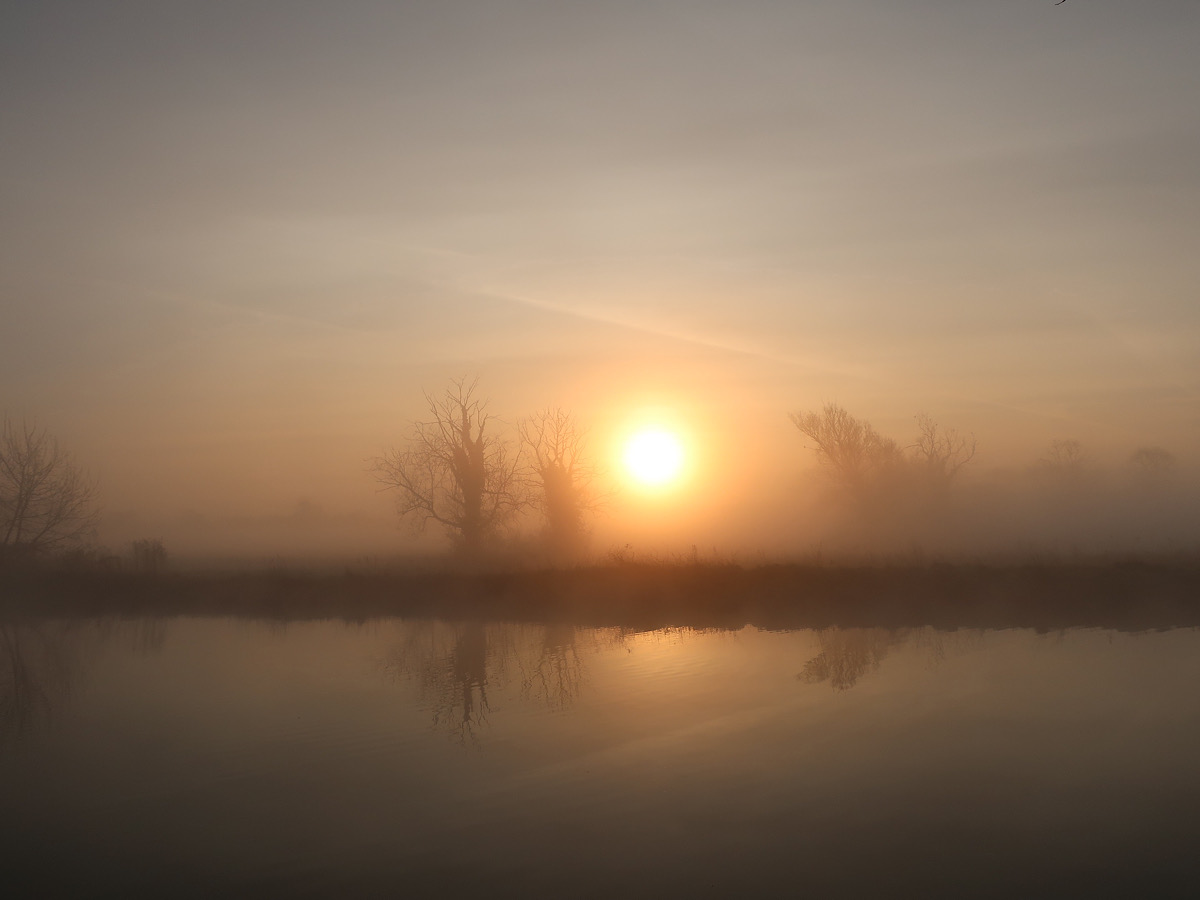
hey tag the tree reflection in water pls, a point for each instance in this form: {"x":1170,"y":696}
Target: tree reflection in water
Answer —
{"x":847,"y":654}
{"x":42,"y":663}
{"x":555,"y":676}
{"x":459,"y":666}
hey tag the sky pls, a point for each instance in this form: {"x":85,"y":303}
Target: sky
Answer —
{"x":239,"y":240}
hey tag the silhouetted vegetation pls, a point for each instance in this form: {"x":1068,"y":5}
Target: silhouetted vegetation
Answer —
{"x":149,"y":556}
{"x":47,"y":505}
{"x":865,"y":465}
{"x":1153,"y":464}
{"x":563,"y":476}
{"x":1051,"y":595}
{"x":459,"y":471}
{"x":939,"y":454}
{"x":1065,"y":462}
{"x":455,"y":471}
{"x":855,"y":456}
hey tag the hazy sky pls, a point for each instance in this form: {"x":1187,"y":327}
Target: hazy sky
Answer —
{"x":237,"y":239}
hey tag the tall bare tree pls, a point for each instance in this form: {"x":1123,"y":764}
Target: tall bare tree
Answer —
{"x":939,"y":453}
{"x":563,"y":474}
{"x":852,"y":452}
{"x":455,"y":470}
{"x":46,"y":503}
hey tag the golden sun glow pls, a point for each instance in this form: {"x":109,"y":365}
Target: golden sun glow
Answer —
{"x":654,"y":457}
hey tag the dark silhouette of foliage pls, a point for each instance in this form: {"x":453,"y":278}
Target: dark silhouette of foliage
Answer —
{"x":46,"y":502}
{"x":455,"y":471}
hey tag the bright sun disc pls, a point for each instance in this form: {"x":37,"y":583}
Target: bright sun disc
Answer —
{"x":654,"y":457}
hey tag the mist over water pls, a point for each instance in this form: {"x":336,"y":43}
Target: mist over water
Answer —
{"x":215,"y":754}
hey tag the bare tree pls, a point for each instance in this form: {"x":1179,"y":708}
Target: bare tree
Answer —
{"x":455,"y":471}
{"x":46,"y":503}
{"x":852,"y":452}
{"x":1064,"y":459}
{"x":1064,"y":468}
{"x":1065,"y":455}
{"x":563,"y":473}
{"x":940,"y":453}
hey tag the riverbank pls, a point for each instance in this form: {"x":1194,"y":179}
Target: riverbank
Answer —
{"x":1124,"y":596}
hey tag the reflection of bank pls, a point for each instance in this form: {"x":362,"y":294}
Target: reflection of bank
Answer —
{"x":43,"y":662}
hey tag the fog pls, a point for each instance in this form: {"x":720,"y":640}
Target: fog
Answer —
{"x":756,"y":493}
{"x":241,"y":247}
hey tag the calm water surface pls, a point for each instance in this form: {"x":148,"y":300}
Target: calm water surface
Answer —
{"x":206,"y":757}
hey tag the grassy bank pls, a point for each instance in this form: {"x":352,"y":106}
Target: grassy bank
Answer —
{"x":643,"y":595}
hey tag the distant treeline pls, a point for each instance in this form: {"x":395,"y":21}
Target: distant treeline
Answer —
{"x":530,"y":497}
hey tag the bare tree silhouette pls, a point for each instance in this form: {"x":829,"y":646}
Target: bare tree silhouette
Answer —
{"x":1064,"y":467}
{"x":46,"y":502}
{"x":940,"y":453}
{"x":563,"y":474}
{"x":852,"y":452}
{"x":455,"y":471}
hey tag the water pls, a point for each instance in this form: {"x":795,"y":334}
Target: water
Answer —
{"x":203,"y":756}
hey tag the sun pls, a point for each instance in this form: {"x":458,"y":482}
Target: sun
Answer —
{"x":654,"y":457}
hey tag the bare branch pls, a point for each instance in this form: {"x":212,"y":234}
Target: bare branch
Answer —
{"x":940,"y":452}
{"x":46,"y":503}
{"x":852,"y":452}
{"x":454,"y":471}
{"x":562,"y":475}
